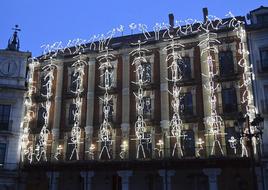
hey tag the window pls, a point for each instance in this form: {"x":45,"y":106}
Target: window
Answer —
{"x":40,"y":118}
{"x":72,"y":110}
{"x":226,"y":63}
{"x":74,"y":82}
{"x":108,"y":78}
{"x":264,"y":58}
{"x":110,"y":110}
{"x":188,"y":143}
{"x":229,"y":100}
{"x":4,"y":116}
{"x":185,"y":67}
{"x":146,"y":77}
{"x":262,"y":19}
{"x":147,"y":107}
{"x":187,"y":104}
{"x":43,"y":87}
{"x":2,"y":154}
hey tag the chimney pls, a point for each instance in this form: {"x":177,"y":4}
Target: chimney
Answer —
{"x":171,"y":20}
{"x":205,"y":14}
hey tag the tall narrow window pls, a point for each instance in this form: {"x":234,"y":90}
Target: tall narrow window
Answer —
{"x":188,"y":143}
{"x":264,"y":58}
{"x":74,"y":82}
{"x":147,"y":107}
{"x":226,"y":63}
{"x":229,"y":100}
{"x":4,"y":116}
{"x":43,"y":87}
{"x":110,"y":110}
{"x":40,"y":116}
{"x":108,"y":77}
{"x":185,"y":67}
{"x":187,"y":104}
{"x":2,"y":154}
{"x":72,"y":110}
{"x":146,"y":72}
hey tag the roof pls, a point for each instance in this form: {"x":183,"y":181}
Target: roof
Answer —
{"x":260,"y":8}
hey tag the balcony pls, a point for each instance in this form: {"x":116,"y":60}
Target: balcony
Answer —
{"x":6,"y":126}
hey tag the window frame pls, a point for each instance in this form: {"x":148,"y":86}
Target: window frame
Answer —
{"x":3,"y":161}
{"x":5,"y":118}
{"x":234,"y":107}
{"x":222,"y":65}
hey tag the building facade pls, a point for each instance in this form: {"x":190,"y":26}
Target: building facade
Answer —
{"x":155,"y":110}
{"x":258,"y":46}
{"x":12,"y":88}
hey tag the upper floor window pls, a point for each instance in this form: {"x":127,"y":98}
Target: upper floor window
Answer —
{"x":72,"y":110}
{"x":2,"y":154}
{"x":40,"y":116}
{"x":108,"y":77}
{"x":147,"y":107}
{"x":110,"y":110}
{"x":146,"y":77}
{"x":43,"y":82}
{"x":187,"y":104}
{"x":264,"y":58}
{"x":4,"y":116}
{"x":226,"y":63}
{"x":185,"y":67}
{"x":262,"y":19}
{"x":73,"y":81}
{"x":229,"y":100}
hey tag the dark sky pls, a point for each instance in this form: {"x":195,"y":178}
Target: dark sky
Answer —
{"x":48,"y":21}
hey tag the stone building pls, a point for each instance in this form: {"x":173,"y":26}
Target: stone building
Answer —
{"x":143,"y":112}
{"x":12,"y":88}
{"x":257,"y":32}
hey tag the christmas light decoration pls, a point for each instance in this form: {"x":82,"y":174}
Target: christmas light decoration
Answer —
{"x":58,"y":153}
{"x":200,"y":147}
{"x":176,"y":66}
{"x":105,"y":136}
{"x":233,"y":143}
{"x":160,"y":150}
{"x":123,"y":152}
{"x":140,"y":124}
{"x":79,"y":67}
{"x":41,"y":147}
{"x":214,"y":121}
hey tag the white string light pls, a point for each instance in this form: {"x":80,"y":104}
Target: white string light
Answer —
{"x":78,"y":74}
{"x":140,"y":124}
{"x":105,"y":136}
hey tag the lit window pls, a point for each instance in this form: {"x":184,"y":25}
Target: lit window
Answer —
{"x":226,"y":63}
{"x":2,"y":154}
{"x":4,"y":116}
{"x":229,"y":101}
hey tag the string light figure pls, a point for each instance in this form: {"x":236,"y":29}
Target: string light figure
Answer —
{"x":105,"y":136}
{"x":160,"y":150}
{"x":214,"y":121}
{"x":41,"y":147}
{"x":246,"y":84}
{"x":79,"y":67}
{"x":176,"y":66}
{"x":200,"y":147}
{"x":123,"y":152}
{"x":58,"y":153}
{"x":140,"y":124}
{"x":233,"y":143}
{"x":91,"y":151}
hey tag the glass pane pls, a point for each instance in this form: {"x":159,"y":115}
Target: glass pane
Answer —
{"x":2,"y":153}
{"x":40,"y":119}
{"x":264,"y":58}
{"x":226,"y":63}
{"x":229,"y":100}
{"x":146,"y":72}
{"x":187,"y":104}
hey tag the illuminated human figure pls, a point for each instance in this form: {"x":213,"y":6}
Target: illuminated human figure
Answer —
{"x":233,"y":143}
{"x":200,"y":147}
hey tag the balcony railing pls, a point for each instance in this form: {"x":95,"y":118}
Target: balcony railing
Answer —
{"x":6,"y":126}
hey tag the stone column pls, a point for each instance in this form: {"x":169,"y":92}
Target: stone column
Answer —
{"x":166,"y":175}
{"x":164,"y":102}
{"x":125,"y":174}
{"x":53,"y":180}
{"x":57,"y":109}
{"x":90,"y":103}
{"x":87,"y":176}
{"x":212,"y":174}
{"x":125,"y":102}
